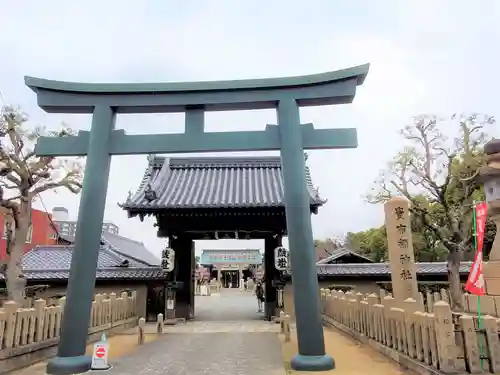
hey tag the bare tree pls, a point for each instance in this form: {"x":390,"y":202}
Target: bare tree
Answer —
{"x":25,"y":175}
{"x":436,"y":173}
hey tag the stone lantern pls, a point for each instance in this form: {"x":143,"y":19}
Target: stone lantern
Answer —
{"x":489,"y":175}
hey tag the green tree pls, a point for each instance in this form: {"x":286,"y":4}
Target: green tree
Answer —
{"x":371,"y":243}
{"x":436,"y":173}
{"x":25,"y":175}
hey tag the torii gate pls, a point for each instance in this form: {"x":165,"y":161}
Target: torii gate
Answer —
{"x":105,"y":101}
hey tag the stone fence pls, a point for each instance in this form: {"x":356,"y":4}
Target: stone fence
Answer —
{"x":27,"y":333}
{"x":490,"y":305}
{"x":426,"y":342}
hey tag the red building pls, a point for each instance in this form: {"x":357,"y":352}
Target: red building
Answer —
{"x":41,"y":232}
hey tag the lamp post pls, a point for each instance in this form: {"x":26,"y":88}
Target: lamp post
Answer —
{"x":489,"y":175}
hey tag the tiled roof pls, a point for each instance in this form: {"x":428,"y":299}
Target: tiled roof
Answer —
{"x":378,"y":269}
{"x":125,"y":246}
{"x":130,"y":248}
{"x":54,"y":262}
{"x":104,"y":274}
{"x":214,"y":182}
{"x":339,"y":253}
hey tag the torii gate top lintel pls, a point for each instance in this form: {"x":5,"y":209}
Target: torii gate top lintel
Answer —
{"x":337,"y":87}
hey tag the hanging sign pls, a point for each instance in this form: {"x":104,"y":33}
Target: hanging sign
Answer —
{"x":281,"y":258}
{"x":168,"y":259}
{"x":170,"y":304}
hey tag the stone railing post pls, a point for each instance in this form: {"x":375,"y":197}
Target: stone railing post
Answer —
{"x":10,"y":310}
{"x":40,"y":305}
{"x":134,"y":302}
{"x":491,"y":330}
{"x":389,"y":328}
{"x":372,"y":301}
{"x":159,"y":324}
{"x":125,"y":306}
{"x":62,"y":302}
{"x":445,"y":338}
{"x":99,"y":310}
{"x":113,"y":308}
{"x":410,"y":306}
{"x":282,"y":321}
{"x":287,"y":327}
{"x":470,"y":344}
{"x":429,"y":301}
{"x":360,"y":312}
{"x":140,"y":331}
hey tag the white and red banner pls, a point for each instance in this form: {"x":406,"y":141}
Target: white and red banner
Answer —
{"x":475,"y":282}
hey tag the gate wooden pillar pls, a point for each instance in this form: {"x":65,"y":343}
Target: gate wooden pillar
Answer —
{"x":193,"y":281}
{"x":270,"y":276}
{"x":183,"y":272}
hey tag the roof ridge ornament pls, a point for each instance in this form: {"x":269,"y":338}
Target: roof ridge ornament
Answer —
{"x":149,"y":193}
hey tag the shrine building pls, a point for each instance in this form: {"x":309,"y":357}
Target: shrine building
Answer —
{"x":231,"y":266}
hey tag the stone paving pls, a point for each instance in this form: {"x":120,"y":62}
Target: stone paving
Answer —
{"x":229,"y":305}
{"x":214,"y":353}
{"x":228,"y":337}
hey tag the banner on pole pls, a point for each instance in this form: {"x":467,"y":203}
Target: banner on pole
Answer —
{"x":475,"y":281}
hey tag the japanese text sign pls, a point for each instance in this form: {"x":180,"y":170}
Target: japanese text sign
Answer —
{"x":400,"y":247}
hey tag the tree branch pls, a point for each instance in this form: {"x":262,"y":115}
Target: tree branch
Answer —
{"x":71,"y":182}
{"x":7,"y":186}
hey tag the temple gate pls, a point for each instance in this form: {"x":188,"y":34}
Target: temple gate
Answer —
{"x":216,"y":198}
{"x":238,"y":264}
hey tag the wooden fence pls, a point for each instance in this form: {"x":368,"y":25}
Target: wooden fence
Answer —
{"x":415,"y":337}
{"x":25,"y":330}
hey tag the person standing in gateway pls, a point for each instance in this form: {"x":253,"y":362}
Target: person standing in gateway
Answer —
{"x":259,"y":293}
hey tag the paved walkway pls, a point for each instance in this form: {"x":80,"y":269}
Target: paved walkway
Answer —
{"x":228,"y":337}
{"x":229,"y":305}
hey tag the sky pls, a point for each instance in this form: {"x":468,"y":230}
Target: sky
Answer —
{"x":426,"y":57}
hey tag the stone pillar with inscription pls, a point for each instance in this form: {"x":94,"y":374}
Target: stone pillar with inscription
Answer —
{"x":400,"y":246}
